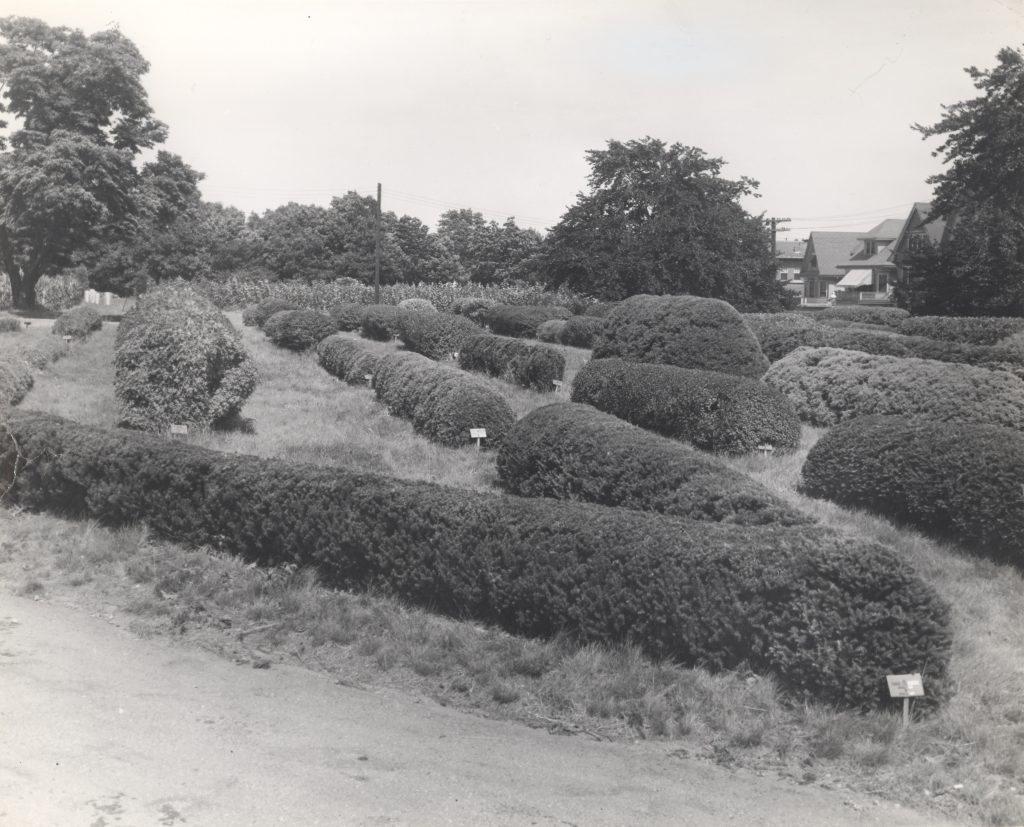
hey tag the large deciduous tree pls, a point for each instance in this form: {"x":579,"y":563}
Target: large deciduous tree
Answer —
{"x":662,"y":220}
{"x":978,"y":269}
{"x":81,"y":116}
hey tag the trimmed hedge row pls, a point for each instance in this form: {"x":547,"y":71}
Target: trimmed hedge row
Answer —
{"x":521,"y":320}
{"x":9,"y":324}
{"x":347,"y":358}
{"x":830,"y":616}
{"x":473,"y":307}
{"x":974,"y":330}
{"x":347,"y":316}
{"x":38,"y":351}
{"x":298,"y":329}
{"x":436,"y":335}
{"x":551,"y":330}
{"x":516,"y":361}
{"x":685,"y":331}
{"x":257,"y":315}
{"x":891,"y":317}
{"x":442,"y":402}
{"x":15,"y":378}
{"x":827,"y":385}
{"x":78,"y":322}
{"x":714,"y":411}
{"x":574,"y":452}
{"x":959,"y":481}
{"x":417,"y":305}
{"x":381,"y":322}
{"x":179,"y":360}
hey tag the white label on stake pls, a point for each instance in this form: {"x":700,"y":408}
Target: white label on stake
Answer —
{"x":557,"y":383}
{"x":478,"y":433}
{"x":179,"y":430}
{"x":905,"y":686}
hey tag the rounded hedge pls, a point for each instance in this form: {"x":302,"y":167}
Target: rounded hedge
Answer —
{"x":521,"y":320}
{"x":685,"y":331}
{"x":954,"y":480}
{"x":551,"y":330}
{"x":178,"y":360}
{"x":417,"y":305}
{"x":9,"y":324}
{"x":828,"y":385}
{"x":437,"y":335}
{"x":381,"y":322}
{"x":827,"y":614}
{"x":575,"y":452}
{"x":78,"y":322}
{"x":15,"y":379}
{"x":884,"y":316}
{"x":347,"y":358}
{"x":599,"y":309}
{"x":298,"y":329}
{"x":515,"y":361}
{"x":39,"y":352}
{"x":257,"y":314}
{"x":442,"y":402}
{"x":581,"y":331}
{"x":472,"y":307}
{"x":974,"y":330}
{"x":347,"y":316}
{"x":713,"y":411}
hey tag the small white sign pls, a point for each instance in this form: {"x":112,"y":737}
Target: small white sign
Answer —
{"x":67,"y":340}
{"x":557,"y":383}
{"x":478,"y":433}
{"x":905,"y":686}
{"x":766,"y":449}
{"x":179,"y":430}
{"x":368,"y":377}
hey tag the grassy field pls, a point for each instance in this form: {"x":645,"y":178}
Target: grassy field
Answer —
{"x":966,"y":760}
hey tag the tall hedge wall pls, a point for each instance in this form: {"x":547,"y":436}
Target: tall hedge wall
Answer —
{"x":444,"y":403}
{"x":575,"y":452}
{"x":516,"y":361}
{"x":685,"y":331}
{"x":828,"y":385}
{"x":953,"y":480}
{"x":520,"y":320}
{"x":347,"y":359}
{"x":830,"y":616}
{"x":714,"y":411}
{"x":178,"y":360}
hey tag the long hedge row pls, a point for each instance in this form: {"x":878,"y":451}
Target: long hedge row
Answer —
{"x":442,"y":402}
{"x":347,"y":359}
{"x":954,"y":480}
{"x":520,"y":320}
{"x":714,"y":411}
{"x":827,"y":385}
{"x":522,"y":363}
{"x":830,"y":616}
{"x":572,"y":451}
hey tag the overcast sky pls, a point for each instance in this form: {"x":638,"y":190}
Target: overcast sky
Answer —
{"x":492,"y":105}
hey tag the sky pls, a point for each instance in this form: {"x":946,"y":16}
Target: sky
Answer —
{"x":493,"y":104}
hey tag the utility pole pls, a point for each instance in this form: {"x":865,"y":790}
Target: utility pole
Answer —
{"x":376,"y":253}
{"x":775,"y":222}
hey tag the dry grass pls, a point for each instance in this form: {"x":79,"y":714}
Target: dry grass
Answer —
{"x":966,"y":760}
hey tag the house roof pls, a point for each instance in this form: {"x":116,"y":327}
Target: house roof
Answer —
{"x":790,"y":249}
{"x":883,"y":258}
{"x":888,"y":230}
{"x":934,"y":229}
{"x":831,"y":249}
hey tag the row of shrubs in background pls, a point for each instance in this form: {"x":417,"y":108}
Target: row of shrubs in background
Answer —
{"x":576,"y":331}
{"x":513,"y":360}
{"x":573,"y":451}
{"x":443,"y":403}
{"x":828,"y":615}
{"x":55,"y":293}
{"x":956,"y":480}
{"x":713,"y":411}
{"x":179,"y":360}
{"x":827,"y":385}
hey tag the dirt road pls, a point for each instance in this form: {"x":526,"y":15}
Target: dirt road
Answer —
{"x":99,"y":728}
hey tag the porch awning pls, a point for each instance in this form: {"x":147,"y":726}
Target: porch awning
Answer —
{"x":855,"y":278}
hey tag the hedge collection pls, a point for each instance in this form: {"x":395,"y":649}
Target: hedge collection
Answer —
{"x":381,"y":322}
{"x":551,"y":330}
{"x":346,"y":358}
{"x":433,"y":334}
{"x":299,"y":329}
{"x":178,"y":360}
{"x":571,"y":451}
{"x":685,"y":331}
{"x":442,"y":402}
{"x":521,"y":363}
{"x":9,"y":324}
{"x":347,"y":316}
{"x":714,"y":411}
{"x":827,"y":385}
{"x":473,"y":308}
{"x":828,"y":615}
{"x":256,"y":315}
{"x":78,"y":322}
{"x":891,"y":317}
{"x":15,"y":378}
{"x":521,"y":320}
{"x":954,"y":480}
{"x":973,"y":330}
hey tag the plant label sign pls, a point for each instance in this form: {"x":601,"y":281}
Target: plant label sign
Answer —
{"x":478,"y":434}
{"x":179,"y":430}
{"x":368,"y":377}
{"x":557,"y":383}
{"x":905,"y":686}
{"x":67,"y":341}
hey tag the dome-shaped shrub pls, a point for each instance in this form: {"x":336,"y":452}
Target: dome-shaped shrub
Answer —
{"x":381,"y":322}
{"x":521,"y":320}
{"x":551,"y":330}
{"x":15,"y":379}
{"x":437,"y":335}
{"x":347,"y":316}
{"x":346,"y":358}
{"x":299,"y":329}
{"x":472,"y":307}
{"x":685,"y":331}
{"x":417,"y":305}
{"x":78,"y":322}
{"x":257,"y":314}
{"x":178,"y":360}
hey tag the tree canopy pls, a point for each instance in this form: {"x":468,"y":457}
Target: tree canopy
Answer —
{"x":661,"y":219}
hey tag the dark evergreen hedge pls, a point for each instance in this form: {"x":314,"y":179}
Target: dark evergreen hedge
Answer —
{"x":827,"y":385}
{"x":830,"y":616}
{"x":257,"y":314}
{"x":299,"y":329}
{"x":521,"y":320}
{"x":347,"y":316}
{"x":958,"y":481}
{"x":473,"y":308}
{"x":15,"y":378}
{"x":979,"y":330}
{"x":685,"y":331}
{"x":891,"y":317}
{"x":522,"y":363}
{"x":78,"y":322}
{"x":575,"y":452}
{"x":581,"y":331}
{"x":551,"y":330}
{"x":599,"y":309}
{"x":381,"y":322}
{"x":433,"y":334}
{"x":714,"y":411}
{"x":347,"y":358}
{"x":444,"y":403}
